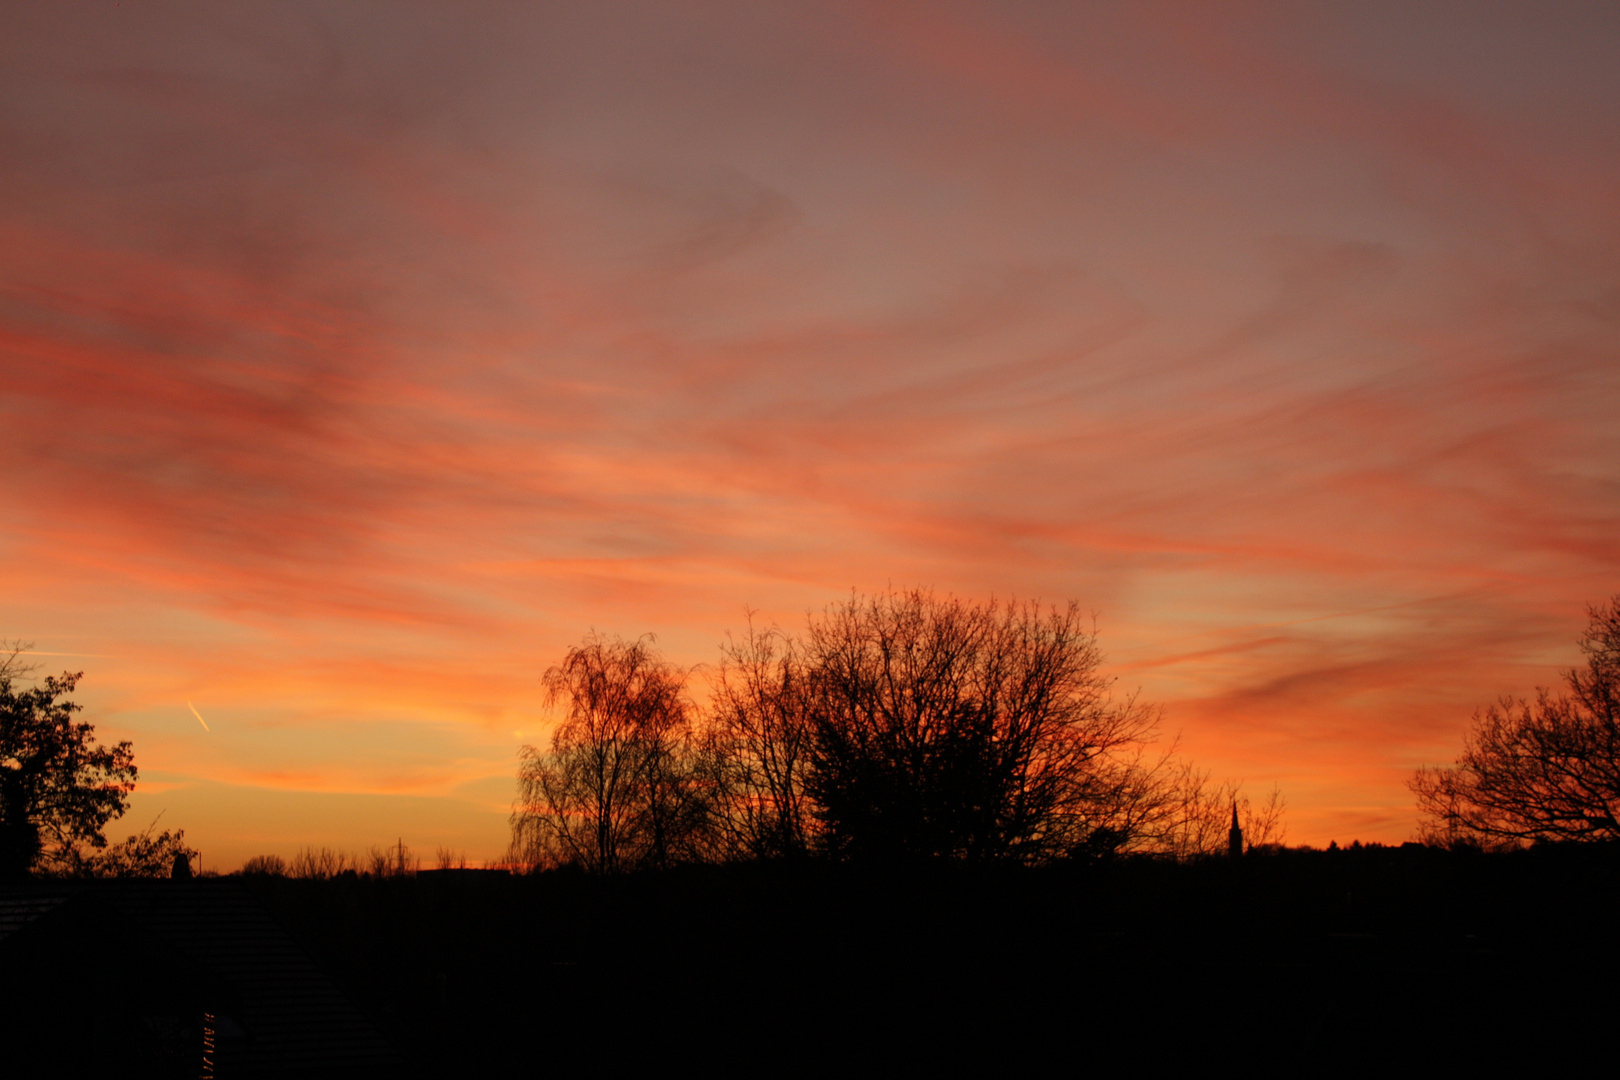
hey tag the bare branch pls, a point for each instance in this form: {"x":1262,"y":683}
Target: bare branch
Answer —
{"x":1547,"y":770}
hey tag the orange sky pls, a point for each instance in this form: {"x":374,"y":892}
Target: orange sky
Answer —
{"x":355,"y":360}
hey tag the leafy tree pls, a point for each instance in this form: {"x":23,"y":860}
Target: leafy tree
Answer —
{"x":1547,"y":770}
{"x":58,"y":787}
{"x":616,"y":790}
{"x":941,"y":728}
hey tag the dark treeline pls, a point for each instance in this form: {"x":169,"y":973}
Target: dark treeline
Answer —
{"x":1290,"y":961}
{"x":895,"y":727}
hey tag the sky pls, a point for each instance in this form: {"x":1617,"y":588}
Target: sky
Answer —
{"x":358,"y":359}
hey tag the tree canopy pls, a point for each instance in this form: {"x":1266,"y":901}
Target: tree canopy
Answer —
{"x":58,"y":787}
{"x":971,"y":731}
{"x":901,"y":725}
{"x":613,"y":791}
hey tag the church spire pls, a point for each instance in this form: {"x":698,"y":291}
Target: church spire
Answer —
{"x":1234,"y":838}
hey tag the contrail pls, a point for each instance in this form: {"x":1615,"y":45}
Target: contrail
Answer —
{"x":198,"y":715}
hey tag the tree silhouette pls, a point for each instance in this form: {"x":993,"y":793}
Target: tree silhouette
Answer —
{"x":1195,"y":815}
{"x":395,"y":861}
{"x":265,"y":866}
{"x":147,"y":854}
{"x":616,"y":789}
{"x":942,"y":728}
{"x":756,"y":747}
{"x":1546,"y":770}
{"x":58,"y":787}
{"x":319,"y":864}
{"x":898,"y":725}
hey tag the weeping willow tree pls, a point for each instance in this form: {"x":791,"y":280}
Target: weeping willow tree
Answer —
{"x":615,"y":788}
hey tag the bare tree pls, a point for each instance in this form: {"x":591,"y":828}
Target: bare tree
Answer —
{"x":396,"y":861}
{"x":901,"y":724}
{"x":616,"y":790}
{"x":12,"y":666}
{"x":942,"y":728}
{"x":756,"y":747}
{"x":1196,"y":813}
{"x":1546,"y":770}
{"x":322,"y":863}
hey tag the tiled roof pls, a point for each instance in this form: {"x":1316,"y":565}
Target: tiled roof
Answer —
{"x":18,"y":909}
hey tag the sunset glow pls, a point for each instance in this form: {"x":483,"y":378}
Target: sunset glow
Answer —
{"x":358,"y":359}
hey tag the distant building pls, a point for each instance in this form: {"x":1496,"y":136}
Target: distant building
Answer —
{"x":1234,"y":836}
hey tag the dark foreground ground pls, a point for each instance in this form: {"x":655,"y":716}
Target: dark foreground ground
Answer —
{"x":1299,"y":963}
